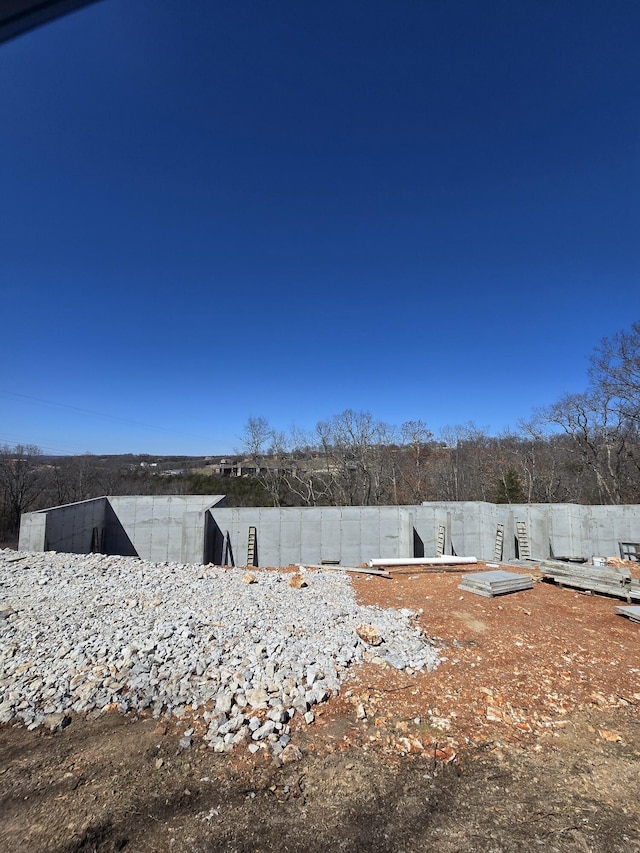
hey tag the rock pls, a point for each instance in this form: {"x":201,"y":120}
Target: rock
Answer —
{"x":297,"y":581}
{"x":613,"y":737}
{"x":249,"y":577}
{"x":395,"y":661}
{"x":368,"y":634}
{"x":232,"y":725}
{"x":257,"y":698}
{"x":264,"y":730}
{"x":241,"y":735}
{"x":290,"y":753}
{"x":278,"y":715}
{"x":224,"y":702}
{"x":56,"y":722}
{"x":6,"y":611}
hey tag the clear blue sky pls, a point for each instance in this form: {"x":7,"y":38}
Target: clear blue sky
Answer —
{"x":208,"y":211}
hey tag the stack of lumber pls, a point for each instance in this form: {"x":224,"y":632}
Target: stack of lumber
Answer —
{"x":633,"y":612}
{"x":610,"y":580}
{"x":499,"y":582}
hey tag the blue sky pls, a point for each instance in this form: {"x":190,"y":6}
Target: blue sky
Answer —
{"x":210,"y":211}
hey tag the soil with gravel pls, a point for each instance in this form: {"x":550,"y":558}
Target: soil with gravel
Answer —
{"x":525,"y":737}
{"x":115,"y":784}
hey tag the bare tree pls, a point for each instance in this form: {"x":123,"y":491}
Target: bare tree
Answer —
{"x":76,"y":478}
{"x":543,"y":464}
{"x":265,"y":448}
{"x":599,"y":439}
{"x":615,"y":372}
{"x":414,"y":457}
{"x":21,"y":481}
{"x":357,"y":453}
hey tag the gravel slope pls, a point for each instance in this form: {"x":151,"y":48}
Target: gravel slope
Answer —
{"x":80,"y":633}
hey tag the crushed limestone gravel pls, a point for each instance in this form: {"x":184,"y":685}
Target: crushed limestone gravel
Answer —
{"x":83,"y":633}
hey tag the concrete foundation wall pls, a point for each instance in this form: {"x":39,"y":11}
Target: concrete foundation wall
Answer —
{"x":609,"y":525}
{"x":198,"y":528}
{"x":349,"y":535}
{"x":156,"y":528}
{"x":74,"y":529}
{"x":164,"y":527}
{"x":33,"y":527}
{"x":569,"y":530}
{"x":353,"y":535}
{"x":470,"y":527}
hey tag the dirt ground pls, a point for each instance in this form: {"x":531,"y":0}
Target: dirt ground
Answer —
{"x":526,"y":737}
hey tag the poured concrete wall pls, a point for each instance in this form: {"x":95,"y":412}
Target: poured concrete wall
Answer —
{"x":574,"y":530}
{"x":74,"y":528}
{"x":164,"y":527}
{"x":33,"y":528}
{"x":353,"y":535}
{"x":157,"y":528}
{"x":349,"y":535}
{"x":197,"y":528}
{"x":470,"y":527}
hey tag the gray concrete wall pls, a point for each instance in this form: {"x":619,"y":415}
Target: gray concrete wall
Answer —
{"x":470,"y":527}
{"x":163,"y":527}
{"x":74,"y":528}
{"x":426,"y":521}
{"x":609,"y":525}
{"x":198,"y":528}
{"x":157,"y":528}
{"x":570,"y":530}
{"x":350,"y":535}
{"x":33,"y":527}
{"x":354,"y":535}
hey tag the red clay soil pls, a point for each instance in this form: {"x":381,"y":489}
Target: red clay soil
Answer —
{"x":514,"y":666}
{"x":526,"y":736}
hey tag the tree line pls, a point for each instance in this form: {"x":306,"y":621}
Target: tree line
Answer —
{"x":30,"y":480}
{"x":584,"y":448}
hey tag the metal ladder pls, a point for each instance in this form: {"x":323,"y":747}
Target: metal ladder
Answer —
{"x":251,"y":547}
{"x":499,"y":543}
{"x":524,"y":546}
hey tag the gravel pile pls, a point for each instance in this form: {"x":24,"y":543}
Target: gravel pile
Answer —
{"x":82,"y":633}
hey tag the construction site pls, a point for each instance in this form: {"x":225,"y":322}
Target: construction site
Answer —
{"x":525,"y":733}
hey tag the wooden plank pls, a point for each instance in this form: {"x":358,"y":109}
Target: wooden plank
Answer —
{"x":376,"y":572}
